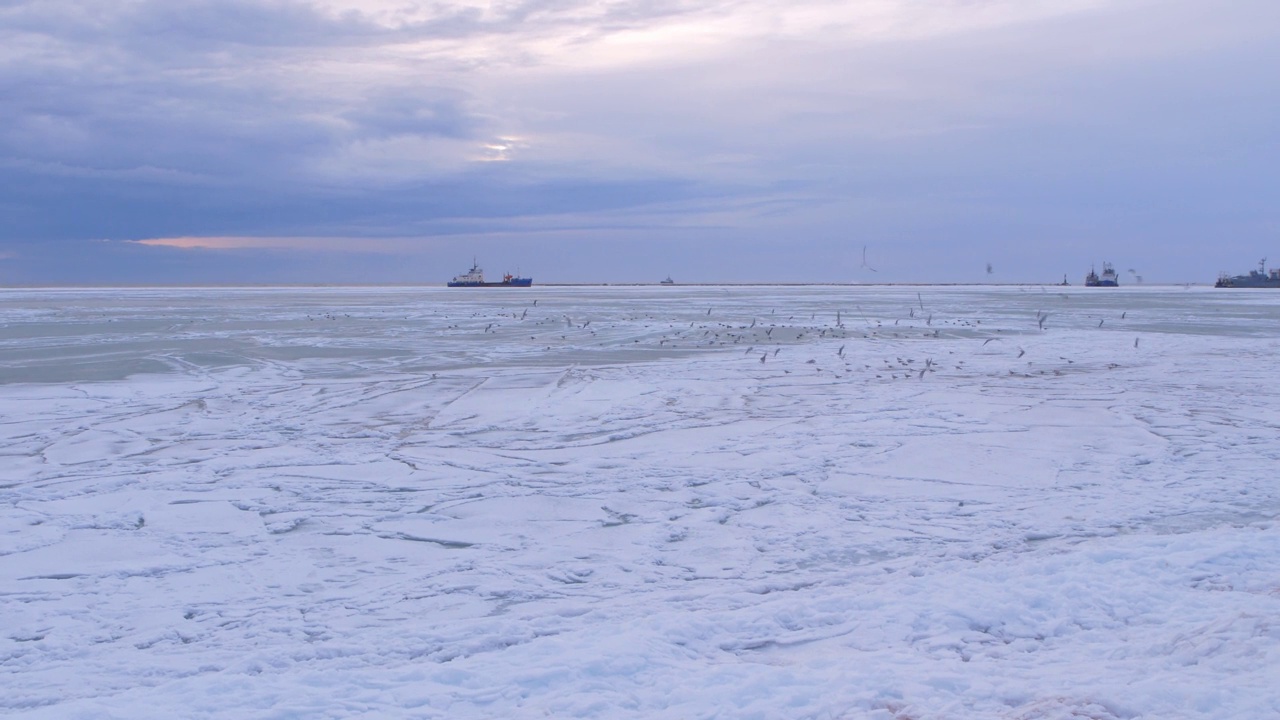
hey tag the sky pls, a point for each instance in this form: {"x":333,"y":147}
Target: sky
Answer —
{"x":336,"y":141}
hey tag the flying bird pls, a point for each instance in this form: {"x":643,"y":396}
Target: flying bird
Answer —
{"x":864,"y":260}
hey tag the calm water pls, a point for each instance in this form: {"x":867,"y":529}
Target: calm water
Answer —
{"x":81,"y":335}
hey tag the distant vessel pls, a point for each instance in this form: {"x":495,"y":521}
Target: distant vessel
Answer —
{"x":475,"y":278}
{"x":1259,"y":278}
{"x":668,"y":281}
{"x":1064,"y":280}
{"x":1107,"y":279}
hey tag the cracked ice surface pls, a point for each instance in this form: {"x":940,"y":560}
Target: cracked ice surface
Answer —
{"x":840,"y":502}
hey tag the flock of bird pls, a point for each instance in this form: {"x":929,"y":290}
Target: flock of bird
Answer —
{"x":764,"y":335}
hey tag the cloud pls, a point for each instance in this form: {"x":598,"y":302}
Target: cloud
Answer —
{"x":327,"y":244}
{"x":332,"y":120}
{"x":255,"y":93}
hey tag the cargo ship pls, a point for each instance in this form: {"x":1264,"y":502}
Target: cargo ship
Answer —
{"x":1260,"y":278}
{"x":475,"y":278}
{"x":1107,"y":279}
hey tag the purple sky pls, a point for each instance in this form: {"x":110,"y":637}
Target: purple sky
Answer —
{"x":259,"y":141}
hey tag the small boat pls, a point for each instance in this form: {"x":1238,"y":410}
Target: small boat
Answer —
{"x":475,"y":278}
{"x":1259,"y":278}
{"x":1107,"y":279}
{"x":668,"y":281}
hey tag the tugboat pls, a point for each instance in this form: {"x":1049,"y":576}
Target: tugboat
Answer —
{"x":475,"y":278}
{"x":1259,"y":278}
{"x":1107,"y":279}
{"x":668,"y":281}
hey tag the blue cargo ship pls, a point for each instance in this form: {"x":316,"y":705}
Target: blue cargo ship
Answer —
{"x":1107,"y":279}
{"x":475,"y":278}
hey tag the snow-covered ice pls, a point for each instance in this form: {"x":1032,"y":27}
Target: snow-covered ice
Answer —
{"x":690,"y":502}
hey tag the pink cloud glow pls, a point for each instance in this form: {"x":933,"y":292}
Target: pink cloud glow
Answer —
{"x":330,"y":244}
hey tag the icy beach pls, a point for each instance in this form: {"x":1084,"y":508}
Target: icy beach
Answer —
{"x":1033,"y":503}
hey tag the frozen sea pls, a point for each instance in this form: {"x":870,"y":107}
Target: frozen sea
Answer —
{"x":906,"y":503}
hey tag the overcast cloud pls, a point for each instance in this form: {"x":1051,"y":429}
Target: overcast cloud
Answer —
{"x":174,"y":141}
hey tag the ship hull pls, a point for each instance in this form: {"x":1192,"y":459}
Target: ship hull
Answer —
{"x":1247,"y":282}
{"x":513,"y":283}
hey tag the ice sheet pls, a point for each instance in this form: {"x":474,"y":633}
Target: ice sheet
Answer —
{"x":827,"y":502}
